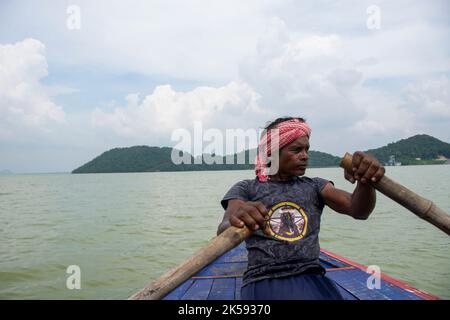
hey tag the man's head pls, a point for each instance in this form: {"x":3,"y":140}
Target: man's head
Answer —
{"x":289,"y":137}
{"x":293,"y":158}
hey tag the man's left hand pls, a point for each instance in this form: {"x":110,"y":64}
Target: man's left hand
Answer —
{"x":364,"y":168}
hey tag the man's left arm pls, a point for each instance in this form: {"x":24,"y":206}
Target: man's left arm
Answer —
{"x":361,"y":202}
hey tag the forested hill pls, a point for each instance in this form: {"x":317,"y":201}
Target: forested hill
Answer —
{"x":148,"y":159}
{"x":419,"y":149}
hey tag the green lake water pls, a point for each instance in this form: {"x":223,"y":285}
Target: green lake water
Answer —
{"x":124,"y":230}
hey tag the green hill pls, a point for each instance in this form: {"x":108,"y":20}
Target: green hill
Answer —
{"x":132,"y":159}
{"x":419,"y":149}
{"x":147,"y":159}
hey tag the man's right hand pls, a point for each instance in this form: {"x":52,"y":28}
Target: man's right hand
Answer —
{"x":251,"y":214}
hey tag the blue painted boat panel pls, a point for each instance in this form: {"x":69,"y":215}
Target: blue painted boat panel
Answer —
{"x":179,"y":292}
{"x":329,"y":262}
{"x":345,"y":294}
{"x":223,"y":289}
{"x":199,"y":290}
{"x":223,"y":269}
{"x":238,"y":288}
{"x":355,"y":281}
{"x":222,"y":280}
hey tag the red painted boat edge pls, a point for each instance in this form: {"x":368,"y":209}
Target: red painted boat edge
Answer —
{"x":396,"y":282}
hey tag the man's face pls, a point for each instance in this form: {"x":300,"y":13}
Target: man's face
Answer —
{"x":294,"y":157}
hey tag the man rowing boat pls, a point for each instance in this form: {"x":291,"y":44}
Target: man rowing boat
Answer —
{"x":284,"y":208}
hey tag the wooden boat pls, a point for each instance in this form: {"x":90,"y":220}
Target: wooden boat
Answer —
{"x":222,"y":280}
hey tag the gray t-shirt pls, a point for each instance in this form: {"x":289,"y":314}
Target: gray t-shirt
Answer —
{"x":295,"y":208}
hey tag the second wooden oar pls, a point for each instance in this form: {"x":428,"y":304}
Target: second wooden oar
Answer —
{"x":418,"y":205}
{"x":224,"y":242}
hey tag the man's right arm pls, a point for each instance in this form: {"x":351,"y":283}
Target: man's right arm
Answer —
{"x":241,"y":213}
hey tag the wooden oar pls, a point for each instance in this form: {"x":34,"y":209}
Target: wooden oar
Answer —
{"x":418,"y":205}
{"x":224,"y":242}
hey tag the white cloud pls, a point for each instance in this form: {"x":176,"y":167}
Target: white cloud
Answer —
{"x":385,"y":117}
{"x":422,"y":106}
{"x":184,"y":39}
{"x":315,"y":76}
{"x":429,"y":98}
{"x":415,"y":49}
{"x":158,"y":114}
{"x":206,"y":40}
{"x":306,"y":76}
{"x":25,"y":105}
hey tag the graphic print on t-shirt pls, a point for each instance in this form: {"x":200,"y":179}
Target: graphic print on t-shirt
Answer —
{"x":288,"y":221}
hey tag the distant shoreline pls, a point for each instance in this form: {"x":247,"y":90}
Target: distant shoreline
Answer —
{"x":179,"y":171}
{"x":32,"y":173}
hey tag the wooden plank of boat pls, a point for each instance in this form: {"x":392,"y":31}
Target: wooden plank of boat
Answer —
{"x":222,"y":280}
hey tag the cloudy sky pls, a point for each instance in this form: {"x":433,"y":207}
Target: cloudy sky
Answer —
{"x":80,"y":77}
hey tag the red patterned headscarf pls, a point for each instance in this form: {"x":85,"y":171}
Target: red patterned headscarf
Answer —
{"x":282,"y":134}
